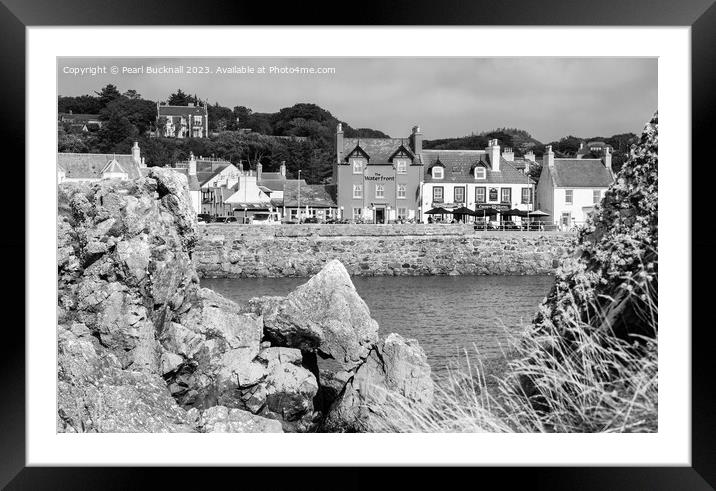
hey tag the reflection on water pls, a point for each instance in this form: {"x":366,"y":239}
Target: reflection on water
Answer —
{"x":446,"y":314}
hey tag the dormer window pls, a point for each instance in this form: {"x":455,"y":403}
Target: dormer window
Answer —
{"x":480,"y":172}
{"x":357,"y":166}
{"x":437,"y":172}
{"x":401,"y":167}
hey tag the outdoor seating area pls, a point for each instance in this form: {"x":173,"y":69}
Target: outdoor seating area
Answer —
{"x":492,"y":218}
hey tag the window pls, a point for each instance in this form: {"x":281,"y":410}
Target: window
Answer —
{"x":526,"y":196}
{"x":402,"y":212}
{"x":596,"y":196}
{"x":493,"y":194}
{"x":480,"y":195}
{"x":357,"y":191}
{"x":402,"y":167}
{"x":197,"y":120}
{"x":357,"y":212}
{"x":480,"y":172}
{"x":438,"y":194}
{"x":401,"y":191}
{"x":379,"y":191}
{"x":357,"y":166}
{"x":459,"y":194}
{"x":437,"y":172}
{"x":506,"y":195}
{"x":568,"y":196}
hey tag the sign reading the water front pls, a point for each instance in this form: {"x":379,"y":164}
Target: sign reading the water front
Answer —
{"x":379,"y":177}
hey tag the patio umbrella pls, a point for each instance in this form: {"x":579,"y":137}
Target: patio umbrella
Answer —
{"x":483,"y":212}
{"x":537,"y":213}
{"x":438,"y":211}
{"x":463,"y":210}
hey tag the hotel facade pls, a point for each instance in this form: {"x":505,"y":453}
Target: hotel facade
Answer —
{"x":379,"y":180}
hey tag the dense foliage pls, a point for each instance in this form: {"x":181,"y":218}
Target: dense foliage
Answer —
{"x":240,"y":135}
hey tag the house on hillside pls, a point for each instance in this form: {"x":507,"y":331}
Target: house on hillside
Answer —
{"x":594,"y":147}
{"x":191,"y":121}
{"x":476,"y":179}
{"x":568,"y":189}
{"x":378,"y":179}
{"x":92,"y":167}
{"x":80,"y":122}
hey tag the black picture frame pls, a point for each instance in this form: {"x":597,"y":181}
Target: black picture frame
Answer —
{"x":16,"y":15}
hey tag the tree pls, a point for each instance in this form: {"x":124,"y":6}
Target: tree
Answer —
{"x":108,"y":94}
{"x":179,"y":98}
{"x":138,"y":112}
{"x":132,"y":94}
{"x":84,"y":104}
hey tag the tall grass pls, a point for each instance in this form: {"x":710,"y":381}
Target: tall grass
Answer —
{"x":596,"y":382}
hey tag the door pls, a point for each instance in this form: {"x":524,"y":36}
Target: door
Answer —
{"x":380,"y":215}
{"x":566,"y":220}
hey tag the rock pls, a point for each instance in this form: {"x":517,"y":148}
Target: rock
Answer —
{"x":220,"y":419}
{"x":289,"y":396}
{"x":396,"y":369}
{"x":94,"y":393}
{"x":219,"y":344}
{"x":281,"y":355}
{"x":325,"y":314}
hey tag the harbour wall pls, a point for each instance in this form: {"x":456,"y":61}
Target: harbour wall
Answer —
{"x":271,"y":251}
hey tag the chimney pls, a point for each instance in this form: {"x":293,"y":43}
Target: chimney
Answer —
{"x":70,"y":111}
{"x":508,"y":154}
{"x":283,"y":168}
{"x":339,"y":143}
{"x":135,"y":154}
{"x":530,"y":156}
{"x":192,"y":164}
{"x":608,"y":159}
{"x":493,"y":150}
{"x":548,"y":158}
{"x":259,"y":168}
{"x":417,"y":139}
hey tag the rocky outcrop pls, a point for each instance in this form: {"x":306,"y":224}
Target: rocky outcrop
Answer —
{"x":144,"y":348}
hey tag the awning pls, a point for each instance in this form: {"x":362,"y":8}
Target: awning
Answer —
{"x":463,"y":210}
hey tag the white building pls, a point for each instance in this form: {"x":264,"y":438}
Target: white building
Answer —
{"x":568,"y":189}
{"x":475,"y":179}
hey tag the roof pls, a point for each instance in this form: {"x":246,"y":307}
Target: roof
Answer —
{"x":92,"y":165}
{"x":79,"y":117}
{"x":205,"y":168}
{"x":460,"y":163}
{"x":312,"y":195}
{"x":379,"y":150}
{"x":580,"y":173}
{"x":272,"y":176}
{"x":113,"y":167}
{"x":521,"y":163}
{"x":164,"y":110}
{"x":273,"y":184}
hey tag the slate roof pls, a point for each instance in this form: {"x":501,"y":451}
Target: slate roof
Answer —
{"x":460,"y":163}
{"x":205,"y":168}
{"x":91,"y":165}
{"x":271,"y":176}
{"x":273,"y":184}
{"x":313,"y":195}
{"x":580,"y":173}
{"x":164,"y":110}
{"x":80,"y":118}
{"x":379,"y":150}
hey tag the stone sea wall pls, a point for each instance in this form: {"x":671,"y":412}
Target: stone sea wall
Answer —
{"x":247,"y":251}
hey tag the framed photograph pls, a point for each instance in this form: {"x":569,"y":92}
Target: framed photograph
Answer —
{"x":426,"y":238}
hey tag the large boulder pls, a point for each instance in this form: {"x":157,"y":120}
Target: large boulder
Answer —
{"x":94,"y":393}
{"x":396,"y":372}
{"x":325,"y":315}
{"x":209,"y":352}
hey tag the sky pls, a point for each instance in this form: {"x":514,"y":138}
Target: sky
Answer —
{"x":448,"y":97}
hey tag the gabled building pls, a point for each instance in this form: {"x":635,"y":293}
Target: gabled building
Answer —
{"x":476,"y":179}
{"x":191,"y":121}
{"x":598,"y":148}
{"x":568,"y":189}
{"x":92,"y":167}
{"x":378,"y":179}
{"x":216,"y":180}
